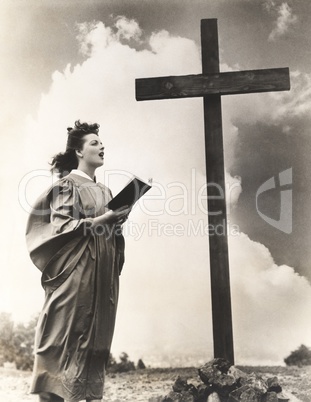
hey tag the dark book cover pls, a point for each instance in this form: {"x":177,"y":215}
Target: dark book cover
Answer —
{"x":131,"y":193}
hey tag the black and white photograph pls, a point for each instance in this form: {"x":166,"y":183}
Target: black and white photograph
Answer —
{"x":155,"y":197}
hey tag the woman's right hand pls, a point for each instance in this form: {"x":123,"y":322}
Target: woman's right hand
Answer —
{"x":118,"y":216}
{"x":111,"y":217}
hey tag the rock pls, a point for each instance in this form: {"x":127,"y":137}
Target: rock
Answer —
{"x":236,"y":373}
{"x":221,"y":382}
{"x":284,"y":397}
{"x":156,"y":399}
{"x":214,"y":397}
{"x":214,"y":365}
{"x":187,"y":396}
{"x":172,"y":397}
{"x":180,"y":384}
{"x":184,"y":396}
{"x":270,"y":397}
{"x":274,"y":385}
{"x":207,"y":372}
{"x":255,"y":381}
{"x":245,"y":393}
{"x":193,"y":390}
{"x":203,"y":392}
{"x":221,"y":364}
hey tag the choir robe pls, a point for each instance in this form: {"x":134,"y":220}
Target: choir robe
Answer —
{"x":80,"y":268}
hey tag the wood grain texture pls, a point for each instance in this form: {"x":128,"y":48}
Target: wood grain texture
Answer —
{"x":216,"y":191}
{"x":228,"y":83}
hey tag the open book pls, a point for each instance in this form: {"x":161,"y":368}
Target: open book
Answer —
{"x":130,"y":194}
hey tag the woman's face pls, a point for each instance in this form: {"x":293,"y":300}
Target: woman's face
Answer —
{"x":92,"y":150}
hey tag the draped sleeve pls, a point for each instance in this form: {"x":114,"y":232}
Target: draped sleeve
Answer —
{"x":57,"y":232}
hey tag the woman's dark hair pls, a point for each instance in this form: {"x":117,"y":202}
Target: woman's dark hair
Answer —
{"x":63,"y":162}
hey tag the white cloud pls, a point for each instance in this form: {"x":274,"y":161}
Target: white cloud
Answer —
{"x":128,"y":29}
{"x":95,"y":36}
{"x":165,"y":291}
{"x":296,"y":102}
{"x":269,"y":5}
{"x":233,"y":190}
{"x":274,"y":107}
{"x":285,"y":19}
{"x":91,"y":33}
{"x":268,"y":304}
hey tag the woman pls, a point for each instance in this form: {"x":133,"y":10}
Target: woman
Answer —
{"x":77,"y":244}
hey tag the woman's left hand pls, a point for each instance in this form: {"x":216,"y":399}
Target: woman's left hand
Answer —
{"x":124,"y":218}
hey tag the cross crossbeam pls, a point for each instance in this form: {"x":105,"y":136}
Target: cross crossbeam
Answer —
{"x":211,"y":85}
{"x":228,"y":83}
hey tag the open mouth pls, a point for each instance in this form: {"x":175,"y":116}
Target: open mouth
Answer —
{"x":101,"y":154}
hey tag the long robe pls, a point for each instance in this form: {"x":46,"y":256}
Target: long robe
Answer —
{"x":80,"y":274}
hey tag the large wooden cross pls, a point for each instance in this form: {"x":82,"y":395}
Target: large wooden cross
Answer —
{"x":211,"y":85}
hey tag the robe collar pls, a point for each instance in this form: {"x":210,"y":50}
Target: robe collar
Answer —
{"x":82,"y":174}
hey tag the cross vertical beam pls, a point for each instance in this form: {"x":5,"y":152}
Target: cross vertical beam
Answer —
{"x":211,"y":85}
{"x":217,"y":215}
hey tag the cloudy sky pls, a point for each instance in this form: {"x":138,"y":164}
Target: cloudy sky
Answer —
{"x":64,"y":60}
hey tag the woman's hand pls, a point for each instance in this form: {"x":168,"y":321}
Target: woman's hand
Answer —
{"x":118,"y":216}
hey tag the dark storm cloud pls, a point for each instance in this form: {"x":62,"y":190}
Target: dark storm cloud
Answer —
{"x":263,"y":151}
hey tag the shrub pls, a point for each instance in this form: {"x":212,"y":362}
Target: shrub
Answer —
{"x":123,"y":366}
{"x":299,"y":357}
{"x":16,"y":342}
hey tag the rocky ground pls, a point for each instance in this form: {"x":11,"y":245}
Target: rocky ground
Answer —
{"x":143,"y":385}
